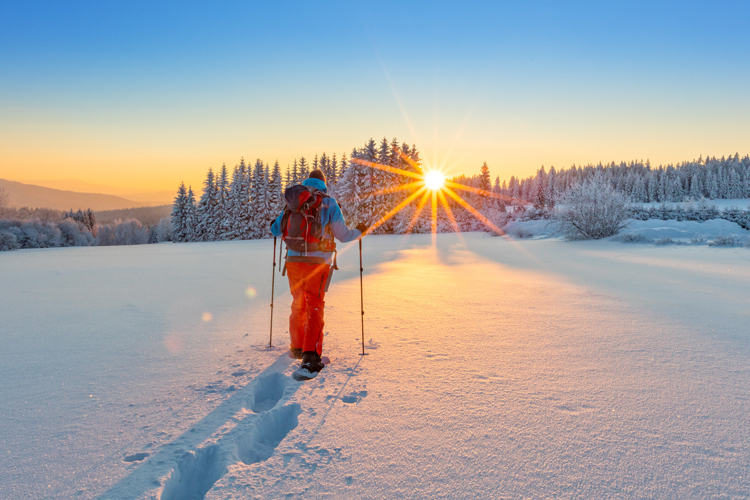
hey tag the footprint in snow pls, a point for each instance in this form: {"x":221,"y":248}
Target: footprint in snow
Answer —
{"x":354,"y":397}
{"x":268,"y":391}
{"x":136,"y":457}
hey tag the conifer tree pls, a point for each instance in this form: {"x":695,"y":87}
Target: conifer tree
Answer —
{"x":334,"y":174}
{"x":287,"y":178}
{"x":191,"y":216}
{"x":343,"y":166}
{"x":223,"y":205}
{"x":304,"y":169}
{"x":178,"y":214}
{"x":295,"y":174}
{"x":206,"y":227}
{"x":234,"y":204}
{"x":258,"y":200}
{"x":696,"y":190}
{"x":276,"y":201}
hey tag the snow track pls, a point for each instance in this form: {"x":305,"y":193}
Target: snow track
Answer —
{"x":253,"y":440}
{"x":245,"y":429}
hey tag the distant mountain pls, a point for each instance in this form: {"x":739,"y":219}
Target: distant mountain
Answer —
{"x":146,"y":197}
{"x":27,"y":195}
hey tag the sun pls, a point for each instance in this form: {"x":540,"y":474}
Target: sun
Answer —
{"x":434,"y":180}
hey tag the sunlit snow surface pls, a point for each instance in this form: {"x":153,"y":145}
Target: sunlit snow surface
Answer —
{"x":497,"y":369}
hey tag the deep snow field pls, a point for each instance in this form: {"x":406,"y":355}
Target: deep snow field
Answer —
{"x":496,"y":368}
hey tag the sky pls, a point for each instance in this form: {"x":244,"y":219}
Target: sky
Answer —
{"x":144,"y":94}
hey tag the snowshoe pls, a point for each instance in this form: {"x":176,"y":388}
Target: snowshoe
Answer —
{"x":310,"y":366}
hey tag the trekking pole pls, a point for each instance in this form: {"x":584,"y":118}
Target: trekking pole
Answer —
{"x":273,"y":281}
{"x":362,"y":297}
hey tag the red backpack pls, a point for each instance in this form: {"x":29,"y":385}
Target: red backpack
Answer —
{"x":302,"y":226}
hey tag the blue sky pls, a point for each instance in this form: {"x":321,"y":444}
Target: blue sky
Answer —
{"x":151,"y":93}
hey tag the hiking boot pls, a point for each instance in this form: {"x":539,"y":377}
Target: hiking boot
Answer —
{"x":311,"y":362}
{"x":296,"y":353}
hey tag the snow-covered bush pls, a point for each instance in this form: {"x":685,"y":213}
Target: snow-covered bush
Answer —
{"x":668,"y":241}
{"x":164,"y":230}
{"x":8,"y":241}
{"x":634,"y":238}
{"x":74,"y":234}
{"x":38,"y":234}
{"x":129,"y":232}
{"x":725,"y":241}
{"x":592,"y":209}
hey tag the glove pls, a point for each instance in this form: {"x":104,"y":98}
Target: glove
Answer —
{"x":362,"y":227}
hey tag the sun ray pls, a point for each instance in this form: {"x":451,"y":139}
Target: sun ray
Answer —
{"x":387,"y":168}
{"x":403,"y":187}
{"x":433,"y":224}
{"x":475,"y":212}
{"x":449,"y":212}
{"x":393,"y":212}
{"x":481,"y":192}
{"x":418,"y":212}
{"x":409,"y":160}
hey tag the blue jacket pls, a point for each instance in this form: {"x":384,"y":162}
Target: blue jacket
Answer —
{"x":331,"y":216}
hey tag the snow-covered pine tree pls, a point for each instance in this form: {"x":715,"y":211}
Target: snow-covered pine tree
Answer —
{"x":295,"y":174}
{"x":652,"y":187}
{"x":179,"y":215}
{"x":550,"y":193}
{"x":275,"y":195}
{"x":304,"y":169}
{"x":350,"y":189}
{"x":712,"y":187}
{"x":342,"y":167}
{"x":223,"y":205}
{"x":678,"y":193}
{"x":235,"y":207}
{"x":334,"y":175}
{"x":485,"y":185}
{"x":206,"y":227}
{"x":258,"y":200}
{"x":287,"y":177}
{"x":696,"y":189}
{"x":734,"y":188}
{"x":191,"y":216}
{"x":247,"y":221}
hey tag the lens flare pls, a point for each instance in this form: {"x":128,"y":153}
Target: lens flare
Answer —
{"x":434,"y":180}
{"x":251,"y":292}
{"x":207,"y":316}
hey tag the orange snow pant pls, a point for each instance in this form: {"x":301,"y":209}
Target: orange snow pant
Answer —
{"x":308,"y":285}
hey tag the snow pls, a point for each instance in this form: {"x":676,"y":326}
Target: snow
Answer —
{"x":653,"y":230}
{"x":687,"y":231}
{"x":721,"y":204}
{"x":496,"y":368}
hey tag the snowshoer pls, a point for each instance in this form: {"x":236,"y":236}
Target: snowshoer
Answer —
{"x":308,"y":225}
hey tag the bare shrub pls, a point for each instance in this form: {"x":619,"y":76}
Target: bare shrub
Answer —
{"x":664,"y":241}
{"x":592,"y":209}
{"x":634,"y":238}
{"x":725,"y":241}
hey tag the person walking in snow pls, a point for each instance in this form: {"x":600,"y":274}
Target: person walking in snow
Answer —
{"x":308,"y":226}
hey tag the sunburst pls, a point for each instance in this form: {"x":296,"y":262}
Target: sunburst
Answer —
{"x":430,"y":184}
